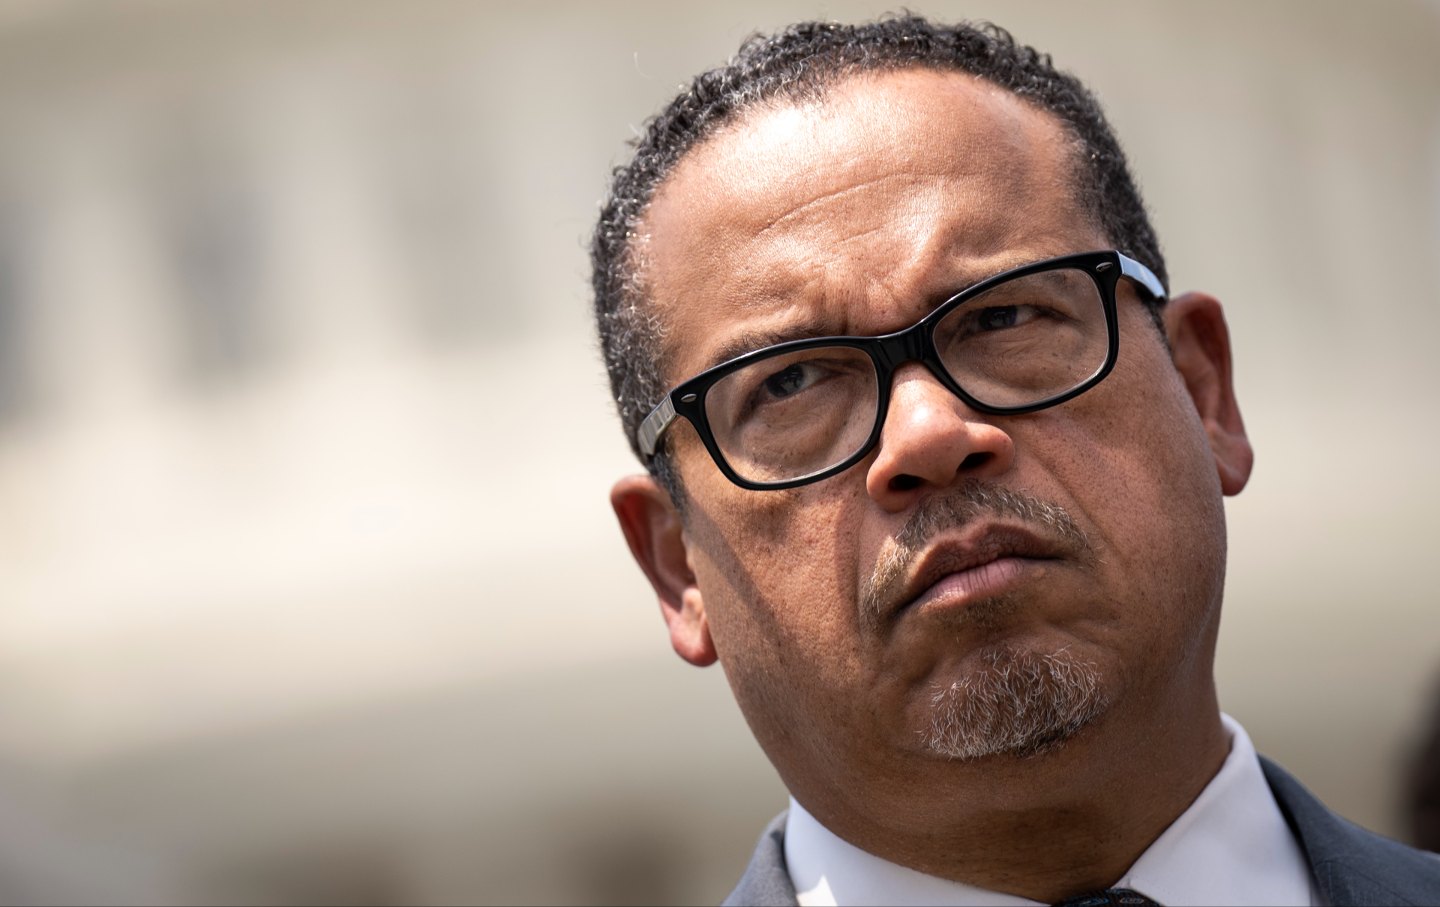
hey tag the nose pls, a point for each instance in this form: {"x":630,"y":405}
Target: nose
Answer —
{"x":931,"y":439}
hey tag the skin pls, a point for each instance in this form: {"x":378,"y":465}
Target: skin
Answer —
{"x":857,"y":215}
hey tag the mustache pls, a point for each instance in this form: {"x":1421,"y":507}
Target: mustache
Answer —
{"x":965,"y":503}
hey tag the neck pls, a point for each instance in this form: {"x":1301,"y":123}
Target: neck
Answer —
{"x":1045,"y":827}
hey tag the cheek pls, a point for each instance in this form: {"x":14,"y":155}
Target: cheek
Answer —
{"x":777,"y":572}
{"x":1139,"y":469}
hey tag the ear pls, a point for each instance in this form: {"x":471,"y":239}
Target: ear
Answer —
{"x":656,"y":536}
{"x":1200,"y":347}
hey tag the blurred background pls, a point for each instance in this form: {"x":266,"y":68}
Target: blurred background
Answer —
{"x":309,"y":588}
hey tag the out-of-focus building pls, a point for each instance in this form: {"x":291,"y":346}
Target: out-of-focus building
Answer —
{"x":309,"y":591}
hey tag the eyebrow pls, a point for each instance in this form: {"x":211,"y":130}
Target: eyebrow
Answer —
{"x":754,"y":341}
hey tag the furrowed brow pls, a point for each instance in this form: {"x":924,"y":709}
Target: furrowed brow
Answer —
{"x":751,"y":341}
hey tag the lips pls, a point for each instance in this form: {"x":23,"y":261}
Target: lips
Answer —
{"x":969,"y":567}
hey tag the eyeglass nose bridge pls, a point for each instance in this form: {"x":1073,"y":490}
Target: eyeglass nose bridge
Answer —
{"x":914,"y":344}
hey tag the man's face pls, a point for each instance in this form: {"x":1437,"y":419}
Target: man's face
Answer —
{"x":862,"y":618}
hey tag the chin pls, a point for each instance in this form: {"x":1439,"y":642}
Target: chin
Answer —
{"x":1017,"y":702}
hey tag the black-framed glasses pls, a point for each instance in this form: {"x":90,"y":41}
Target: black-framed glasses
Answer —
{"x":798,"y":412}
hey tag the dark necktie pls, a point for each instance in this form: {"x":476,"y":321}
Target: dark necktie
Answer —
{"x":1110,"y":897}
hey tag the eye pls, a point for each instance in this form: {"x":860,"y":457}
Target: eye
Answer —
{"x":790,"y":380}
{"x":791,"y":387}
{"x":993,"y":320}
{"x":1000,"y":317}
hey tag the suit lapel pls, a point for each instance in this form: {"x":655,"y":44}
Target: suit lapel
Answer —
{"x":767,"y":879}
{"x":1352,"y":865}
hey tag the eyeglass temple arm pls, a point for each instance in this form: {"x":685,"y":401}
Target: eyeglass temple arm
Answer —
{"x":1143,"y":276}
{"x":655,"y":425}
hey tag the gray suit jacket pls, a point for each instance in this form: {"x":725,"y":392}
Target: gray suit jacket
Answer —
{"x":1351,"y":865}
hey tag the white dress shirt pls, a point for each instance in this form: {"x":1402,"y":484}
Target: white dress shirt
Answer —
{"x":1231,"y":846}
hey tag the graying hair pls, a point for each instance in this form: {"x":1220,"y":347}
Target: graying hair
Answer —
{"x":951,"y":510}
{"x":1020,"y":703}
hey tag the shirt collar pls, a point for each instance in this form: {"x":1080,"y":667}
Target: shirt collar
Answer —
{"x":1231,"y":846}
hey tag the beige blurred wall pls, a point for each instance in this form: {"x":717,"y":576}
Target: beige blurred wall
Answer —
{"x":309,"y":591}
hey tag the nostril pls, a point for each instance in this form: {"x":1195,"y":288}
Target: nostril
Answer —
{"x":907,"y":482}
{"x":975,"y":461}
{"x":904,"y":482}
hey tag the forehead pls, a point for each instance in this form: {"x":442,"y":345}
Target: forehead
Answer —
{"x":848,"y":211}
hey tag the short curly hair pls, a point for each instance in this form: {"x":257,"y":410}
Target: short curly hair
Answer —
{"x":797,"y":64}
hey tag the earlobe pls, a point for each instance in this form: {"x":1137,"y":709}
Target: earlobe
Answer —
{"x":1200,"y":346}
{"x":656,"y":536}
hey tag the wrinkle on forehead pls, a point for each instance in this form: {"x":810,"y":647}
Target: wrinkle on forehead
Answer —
{"x":868,"y":116}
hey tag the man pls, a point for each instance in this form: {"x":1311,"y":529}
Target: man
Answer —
{"x":935,"y":472}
